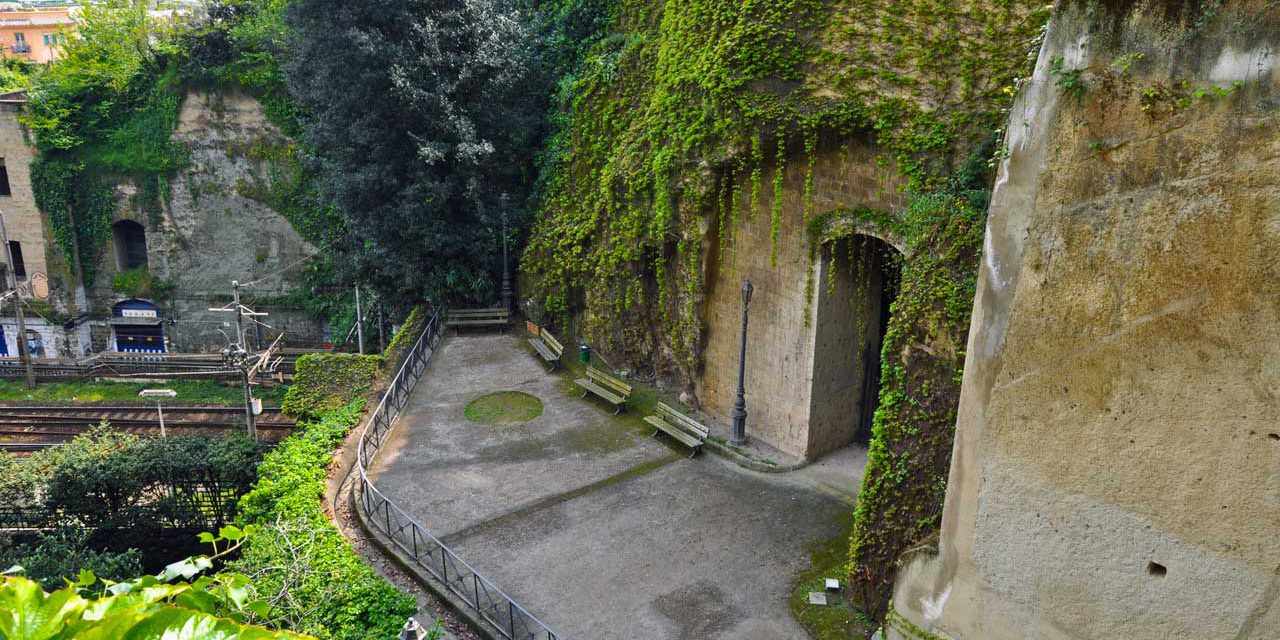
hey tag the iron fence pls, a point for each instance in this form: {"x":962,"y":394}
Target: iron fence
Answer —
{"x":478,"y":592}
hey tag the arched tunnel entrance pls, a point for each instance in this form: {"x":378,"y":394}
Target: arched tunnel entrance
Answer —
{"x":861,"y":276}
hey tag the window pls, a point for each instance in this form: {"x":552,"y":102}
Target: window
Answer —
{"x":15,"y":252}
{"x":20,"y":38}
{"x":4,"y":179}
{"x":47,"y":38}
{"x":131,"y":245}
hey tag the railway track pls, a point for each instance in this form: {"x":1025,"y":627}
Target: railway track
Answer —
{"x":24,"y":429}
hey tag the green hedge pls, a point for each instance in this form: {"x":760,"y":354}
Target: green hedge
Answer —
{"x":406,"y":337}
{"x":288,"y":502}
{"x":326,"y":382}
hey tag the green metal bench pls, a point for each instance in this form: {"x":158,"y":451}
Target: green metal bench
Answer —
{"x":480,"y":318}
{"x":680,"y":427}
{"x":548,"y":347}
{"x":607,"y":387}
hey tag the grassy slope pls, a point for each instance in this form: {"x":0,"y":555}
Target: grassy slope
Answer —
{"x":204,"y":392}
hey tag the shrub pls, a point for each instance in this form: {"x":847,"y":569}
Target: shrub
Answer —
{"x":59,"y":555}
{"x":111,"y":480}
{"x":139,"y":283}
{"x":298,"y":560}
{"x":406,"y":337}
{"x":326,"y":382}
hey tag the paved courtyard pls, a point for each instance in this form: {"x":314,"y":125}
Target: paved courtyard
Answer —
{"x":597,"y":529}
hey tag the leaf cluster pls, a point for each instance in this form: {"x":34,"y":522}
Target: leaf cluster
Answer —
{"x":420,"y":116}
{"x":169,"y":605}
{"x":308,"y":572}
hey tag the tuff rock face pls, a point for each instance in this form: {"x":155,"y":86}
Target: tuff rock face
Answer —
{"x":1117,"y":461}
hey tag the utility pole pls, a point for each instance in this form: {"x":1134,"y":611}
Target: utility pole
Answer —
{"x":235,"y":301}
{"x":359,"y":322}
{"x":24,"y":354}
{"x":237,"y":355}
{"x":382,"y":345}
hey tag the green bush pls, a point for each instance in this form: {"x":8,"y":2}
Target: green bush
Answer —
{"x":59,"y":555}
{"x":298,"y":560}
{"x":406,"y":337}
{"x":111,"y":480}
{"x":139,"y":283}
{"x":325,"y":382}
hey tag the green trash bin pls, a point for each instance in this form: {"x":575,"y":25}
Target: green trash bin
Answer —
{"x":584,"y":353}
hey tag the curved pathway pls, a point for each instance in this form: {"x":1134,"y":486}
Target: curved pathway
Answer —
{"x":597,"y":529}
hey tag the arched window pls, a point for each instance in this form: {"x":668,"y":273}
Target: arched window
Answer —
{"x":131,"y":245}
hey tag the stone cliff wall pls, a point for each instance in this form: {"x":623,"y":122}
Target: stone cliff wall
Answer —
{"x":210,"y":230}
{"x":803,"y":368}
{"x":1116,"y":471}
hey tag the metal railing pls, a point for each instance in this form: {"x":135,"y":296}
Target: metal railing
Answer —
{"x":478,"y":592}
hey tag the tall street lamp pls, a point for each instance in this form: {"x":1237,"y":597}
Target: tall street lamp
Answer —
{"x":739,"y":436}
{"x":158,"y":395}
{"x":506,"y":294}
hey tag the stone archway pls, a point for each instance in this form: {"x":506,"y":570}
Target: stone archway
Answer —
{"x":130,"y":240}
{"x":861,"y":277}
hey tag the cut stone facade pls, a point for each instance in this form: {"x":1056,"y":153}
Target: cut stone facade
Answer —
{"x":212,"y":233}
{"x":207,"y":233}
{"x":804,"y":359}
{"x":22,"y":219}
{"x":1116,"y":471}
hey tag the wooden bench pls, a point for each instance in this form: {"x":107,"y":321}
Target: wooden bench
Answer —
{"x":482,"y":318}
{"x":548,"y":347}
{"x":609,"y":388}
{"x":688,"y":431}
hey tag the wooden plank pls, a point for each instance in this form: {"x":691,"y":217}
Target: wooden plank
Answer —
{"x":673,"y":431}
{"x":600,"y":391}
{"x":551,"y":342}
{"x":607,"y":380}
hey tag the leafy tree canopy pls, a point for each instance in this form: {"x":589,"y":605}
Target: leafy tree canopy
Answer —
{"x":421,"y":115}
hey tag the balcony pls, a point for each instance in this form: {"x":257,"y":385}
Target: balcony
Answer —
{"x":21,"y":48}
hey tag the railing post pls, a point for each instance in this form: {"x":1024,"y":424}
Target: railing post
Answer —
{"x":475,"y":582}
{"x":511,"y":618}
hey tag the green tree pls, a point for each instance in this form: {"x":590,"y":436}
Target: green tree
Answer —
{"x":421,"y":114}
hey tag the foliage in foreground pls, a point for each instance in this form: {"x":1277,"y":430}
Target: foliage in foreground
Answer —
{"x":54,"y":556}
{"x":321,"y":585}
{"x":212,"y":607}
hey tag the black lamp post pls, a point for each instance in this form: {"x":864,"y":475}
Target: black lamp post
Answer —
{"x":507,"y":294}
{"x":739,"y":436}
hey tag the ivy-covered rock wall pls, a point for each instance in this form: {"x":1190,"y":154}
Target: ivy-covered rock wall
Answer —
{"x":682,"y":121}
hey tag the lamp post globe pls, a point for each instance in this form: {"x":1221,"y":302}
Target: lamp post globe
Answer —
{"x":739,"y":435}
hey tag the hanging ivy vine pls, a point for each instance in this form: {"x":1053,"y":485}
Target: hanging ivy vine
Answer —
{"x":686,"y":104}
{"x":666,"y":131}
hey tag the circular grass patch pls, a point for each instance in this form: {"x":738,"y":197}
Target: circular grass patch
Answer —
{"x":504,"y":408}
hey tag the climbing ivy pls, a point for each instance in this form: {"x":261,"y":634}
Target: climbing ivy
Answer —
{"x":901,"y":500}
{"x":104,"y":112}
{"x":669,"y":129}
{"x":667,"y":124}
